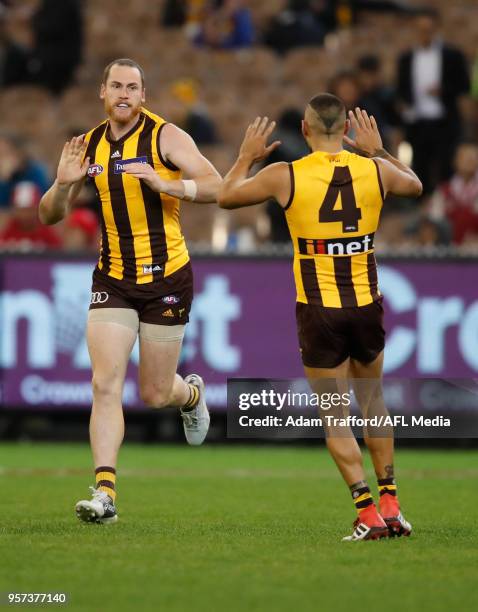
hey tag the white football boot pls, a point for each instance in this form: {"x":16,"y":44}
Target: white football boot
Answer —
{"x":98,"y":509}
{"x":196,"y":421}
{"x":362,"y":532}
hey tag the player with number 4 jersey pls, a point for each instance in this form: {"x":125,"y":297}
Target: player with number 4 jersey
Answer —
{"x":332,"y":215}
{"x":332,"y":200}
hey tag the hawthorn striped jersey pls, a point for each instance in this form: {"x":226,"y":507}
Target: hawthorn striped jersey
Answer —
{"x":141,"y":236}
{"x":333,"y":214}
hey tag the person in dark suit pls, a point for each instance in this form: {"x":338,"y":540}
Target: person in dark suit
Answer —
{"x":432,"y":77}
{"x":57,"y":30}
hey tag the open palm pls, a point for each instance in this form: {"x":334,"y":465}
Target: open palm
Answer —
{"x":254,"y":145}
{"x":72,"y":167}
{"x":367,"y":137}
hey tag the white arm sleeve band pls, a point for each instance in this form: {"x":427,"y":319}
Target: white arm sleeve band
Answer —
{"x":190,"y":190}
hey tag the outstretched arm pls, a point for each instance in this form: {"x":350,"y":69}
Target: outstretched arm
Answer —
{"x":70,"y":177}
{"x":272,"y":182}
{"x":180,"y":149}
{"x":397,"y":178}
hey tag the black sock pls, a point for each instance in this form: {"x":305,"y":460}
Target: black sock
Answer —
{"x":361,"y":495}
{"x":387,"y":485}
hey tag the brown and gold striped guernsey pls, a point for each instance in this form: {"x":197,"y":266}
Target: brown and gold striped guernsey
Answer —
{"x":141,"y":236}
{"x":333,"y":214}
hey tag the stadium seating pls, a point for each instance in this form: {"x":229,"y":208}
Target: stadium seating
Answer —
{"x":236,"y":85}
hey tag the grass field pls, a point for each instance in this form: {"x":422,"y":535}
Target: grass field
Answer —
{"x":229,"y":529}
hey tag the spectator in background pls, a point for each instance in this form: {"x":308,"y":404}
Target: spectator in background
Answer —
{"x":457,"y":200}
{"x":228,"y":25}
{"x":174,"y":13}
{"x":189,"y":14}
{"x":16,"y":167}
{"x":23,"y":231}
{"x":345,"y":86}
{"x":474,"y":80}
{"x":430,"y":233}
{"x":432,"y":78}
{"x":347,"y":10}
{"x":474,"y":97}
{"x":57,"y":29}
{"x":13,"y":56}
{"x":190,"y":114}
{"x":378,"y":99}
{"x":302,"y":23}
{"x":80,"y":233}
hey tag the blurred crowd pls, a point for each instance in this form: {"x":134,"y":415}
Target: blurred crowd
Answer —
{"x":212,"y":65}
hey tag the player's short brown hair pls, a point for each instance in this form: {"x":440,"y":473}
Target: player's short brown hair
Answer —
{"x":330,"y":111}
{"x":124,"y":61}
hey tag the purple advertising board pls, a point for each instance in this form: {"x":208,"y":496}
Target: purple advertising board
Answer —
{"x":242,"y":325}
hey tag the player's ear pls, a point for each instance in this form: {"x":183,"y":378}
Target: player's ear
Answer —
{"x":102,"y":91}
{"x":305,"y":128}
{"x":143,"y":95}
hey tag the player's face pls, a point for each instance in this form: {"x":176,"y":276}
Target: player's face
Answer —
{"x":123,"y":94}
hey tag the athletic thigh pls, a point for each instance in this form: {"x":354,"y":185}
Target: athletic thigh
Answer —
{"x":159,"y":350}
{"x":110,"y":345}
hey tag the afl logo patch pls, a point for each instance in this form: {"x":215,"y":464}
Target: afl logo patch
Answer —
{"x":95,"y":170}
{"x":170,"y":299}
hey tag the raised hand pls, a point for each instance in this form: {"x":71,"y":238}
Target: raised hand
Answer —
{"x":254,"y":146}
{"x":367,"y":137}
{"x":72,"y":167}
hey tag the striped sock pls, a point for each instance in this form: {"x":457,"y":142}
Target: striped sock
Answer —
{"x":193,"y":398}
{"x":387,"y":485}
{"x":106,"y":480}
{"x":361,"y":495}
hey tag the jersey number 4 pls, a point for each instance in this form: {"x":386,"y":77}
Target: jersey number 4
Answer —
{"x":349,"y":214}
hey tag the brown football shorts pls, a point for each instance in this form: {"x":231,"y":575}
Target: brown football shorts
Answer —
{"x":328,"y":336}
{"x":166,"y":301}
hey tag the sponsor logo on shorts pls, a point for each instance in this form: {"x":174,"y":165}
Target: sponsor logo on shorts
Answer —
{"x":120,"y":165}
{"x":99,"y":297}
{"x":150,"y":268}
{"x":336,"y":246}
{"x":171,"y":299}
{"x":181,"y":311}
{"x":95,"y":170}
{"x":168,"y":313}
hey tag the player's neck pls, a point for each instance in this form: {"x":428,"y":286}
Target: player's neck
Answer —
{"x":118,"y":130}
{"x":326,"y":145}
